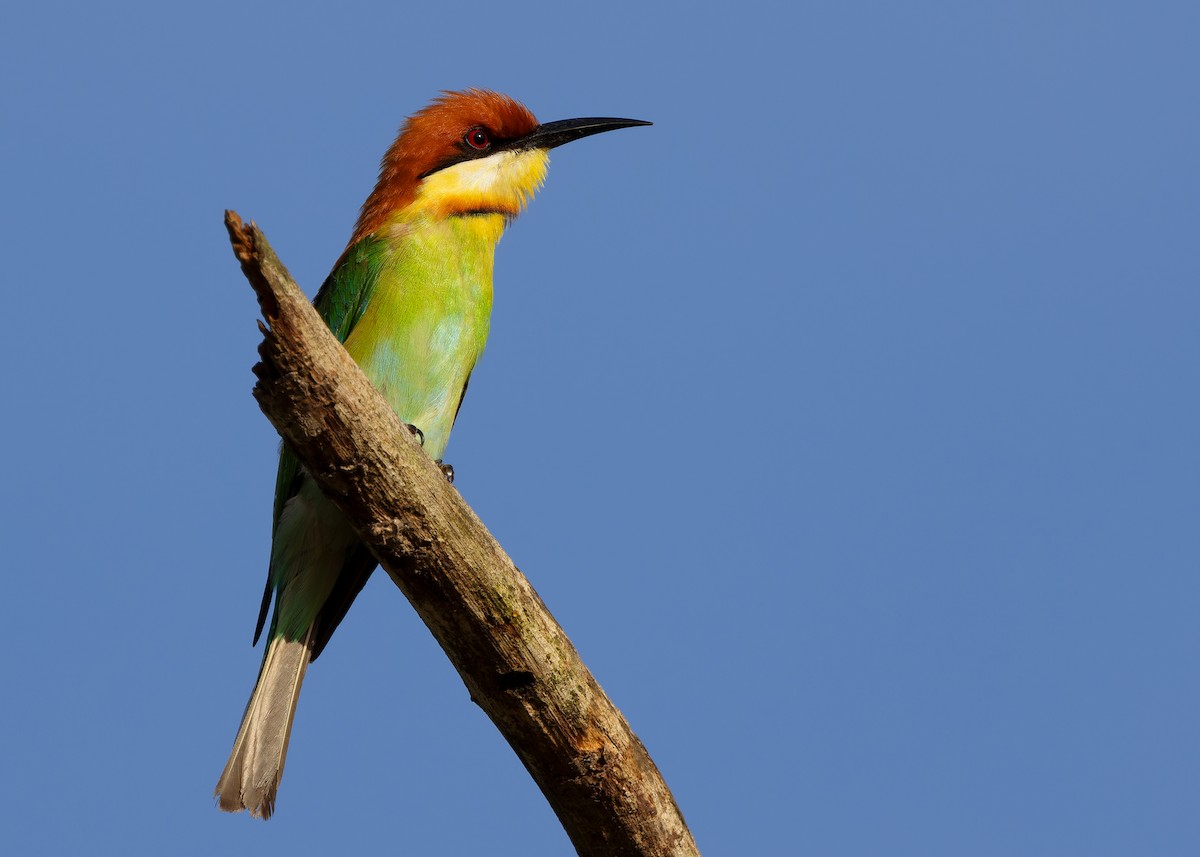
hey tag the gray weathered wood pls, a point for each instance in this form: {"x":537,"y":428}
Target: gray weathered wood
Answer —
{"x":515,"y":660}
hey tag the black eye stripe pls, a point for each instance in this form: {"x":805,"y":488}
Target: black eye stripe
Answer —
{"x":469,"y":151}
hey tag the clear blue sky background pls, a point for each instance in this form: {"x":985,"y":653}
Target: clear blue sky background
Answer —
{"x":847,"y":420}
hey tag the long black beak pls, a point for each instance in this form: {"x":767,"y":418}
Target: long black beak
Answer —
{"x":553,"y":134}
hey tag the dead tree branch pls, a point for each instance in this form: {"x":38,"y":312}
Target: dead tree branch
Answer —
{"x":515,"y":660}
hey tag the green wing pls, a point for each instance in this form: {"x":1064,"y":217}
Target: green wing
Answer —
{"x":340,"y":301}
{"x":345,"y":293}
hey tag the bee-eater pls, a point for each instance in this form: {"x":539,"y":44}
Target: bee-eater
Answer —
{"x":410,"y":299}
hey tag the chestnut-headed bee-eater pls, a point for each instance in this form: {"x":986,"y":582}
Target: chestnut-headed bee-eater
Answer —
{"x":410,"y":299}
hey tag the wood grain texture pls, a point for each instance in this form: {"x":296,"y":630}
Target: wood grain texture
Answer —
{"x":515,"y":660}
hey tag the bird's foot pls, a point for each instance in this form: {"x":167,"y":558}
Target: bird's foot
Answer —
{"x":447,"y":470}
{"x":420,"y":434}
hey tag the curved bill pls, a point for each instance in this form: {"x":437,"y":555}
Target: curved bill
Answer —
{"x":552,"y":134}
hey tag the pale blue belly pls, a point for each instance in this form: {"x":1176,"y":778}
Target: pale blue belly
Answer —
{"x":421,"y":371}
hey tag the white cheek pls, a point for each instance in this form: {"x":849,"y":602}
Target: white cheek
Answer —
{"x":482,"y":174}
{"x":504,"y":180}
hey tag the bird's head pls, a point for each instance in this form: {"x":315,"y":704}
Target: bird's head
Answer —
{"x":473,"y":152}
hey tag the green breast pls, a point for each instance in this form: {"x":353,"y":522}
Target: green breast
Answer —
{"x":425,"y":320}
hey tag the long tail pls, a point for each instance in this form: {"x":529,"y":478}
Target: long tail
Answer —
{"x":251,"y":776}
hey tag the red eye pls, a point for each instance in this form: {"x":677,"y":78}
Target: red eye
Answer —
{"x":477,"y":138}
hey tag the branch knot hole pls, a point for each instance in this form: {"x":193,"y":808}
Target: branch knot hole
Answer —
{"x":515,"y":680}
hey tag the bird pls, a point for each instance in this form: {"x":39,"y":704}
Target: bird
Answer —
{"x":410,"y":299}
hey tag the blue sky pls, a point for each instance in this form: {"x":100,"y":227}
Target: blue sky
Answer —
{"x":846,"y":420}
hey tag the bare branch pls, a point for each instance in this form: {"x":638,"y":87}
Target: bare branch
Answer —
{"x":515,"y":660}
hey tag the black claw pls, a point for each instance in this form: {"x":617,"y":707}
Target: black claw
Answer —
{"x":447,"y":470}
{"x":420,"y":434}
